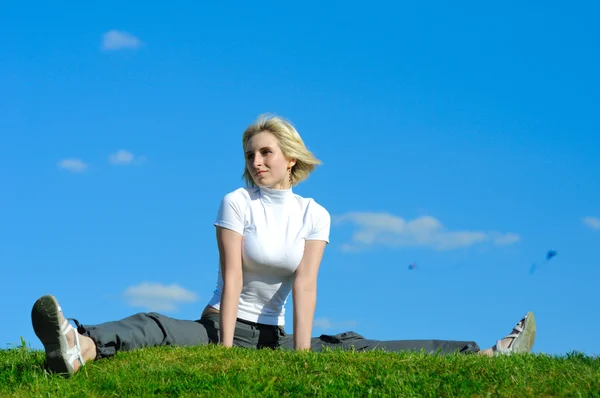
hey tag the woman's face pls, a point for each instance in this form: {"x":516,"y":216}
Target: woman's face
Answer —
{"x":266,"y":163}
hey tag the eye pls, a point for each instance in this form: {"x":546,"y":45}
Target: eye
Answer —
{"x":250,"y":156}
{"x":266,"y":152}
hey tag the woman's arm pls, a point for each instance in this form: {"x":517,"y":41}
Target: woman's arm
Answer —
{"x":230,"y":256}
{"x":304,"y":292}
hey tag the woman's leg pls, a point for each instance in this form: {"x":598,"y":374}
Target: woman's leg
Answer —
{"x":68,"y":349}
{"x":520,"y":340}
{"x":146,"y":330}
{"x":352,"y":340}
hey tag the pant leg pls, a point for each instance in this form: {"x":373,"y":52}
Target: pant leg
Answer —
{"x":352,"y":340}
{"x":147,"y":330}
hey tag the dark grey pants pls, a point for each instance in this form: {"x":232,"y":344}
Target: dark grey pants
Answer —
{"x":152,"y":329}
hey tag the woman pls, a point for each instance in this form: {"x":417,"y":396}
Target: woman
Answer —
{"x":271,"y":242}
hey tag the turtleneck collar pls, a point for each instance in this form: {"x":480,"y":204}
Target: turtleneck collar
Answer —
{"x":276,"y":196}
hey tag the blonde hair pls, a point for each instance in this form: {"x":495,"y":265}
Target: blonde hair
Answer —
{"x":291,"y":145}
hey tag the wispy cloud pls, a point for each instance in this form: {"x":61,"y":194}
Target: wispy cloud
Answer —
{"x":591,"y":222}
{"x":123,"y":158}
{"x":119,"y":40}
{"x":73,"y":165}
{"x":326,"y":323}
{"x":158,"y":297}
{"x":504,"y":239}
{"x":388,"y":230}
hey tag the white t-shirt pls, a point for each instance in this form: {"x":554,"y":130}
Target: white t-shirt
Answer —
{"x":274,"y":225}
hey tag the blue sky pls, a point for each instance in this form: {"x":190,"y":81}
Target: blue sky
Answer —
{"x":461,"y":138}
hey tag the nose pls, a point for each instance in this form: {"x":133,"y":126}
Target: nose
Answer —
{"x":257,"y":162}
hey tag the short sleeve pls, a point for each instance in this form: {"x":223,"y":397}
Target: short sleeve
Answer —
{"x":321,"y":224}
{"x":231,"y":212}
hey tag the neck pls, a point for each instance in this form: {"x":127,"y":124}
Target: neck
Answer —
{"x":284,"y":186}
{"x":273,"y":195}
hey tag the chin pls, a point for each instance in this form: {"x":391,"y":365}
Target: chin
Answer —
{"x":262,"y":184}
{"x":269,"y":186}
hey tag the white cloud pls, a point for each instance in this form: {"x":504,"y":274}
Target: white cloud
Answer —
{"x":73,"y":165}
{"x":591,"y":222}
{"x":123,"y":157}
{"x":325,"y":323}
{"x":388,"y":230}
{"x":349,"y":248}
{"x":158,"y":297}
{"x":505,"y":239}
{"x":117,"y":40}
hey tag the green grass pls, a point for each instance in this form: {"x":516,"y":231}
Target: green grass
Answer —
{"x":216,"y":371}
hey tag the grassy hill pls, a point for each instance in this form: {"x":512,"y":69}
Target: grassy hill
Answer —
{"x":216,"y":371}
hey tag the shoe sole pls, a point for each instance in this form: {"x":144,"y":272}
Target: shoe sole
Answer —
{"x":524,"y":343}
{"x":45,"y":317}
